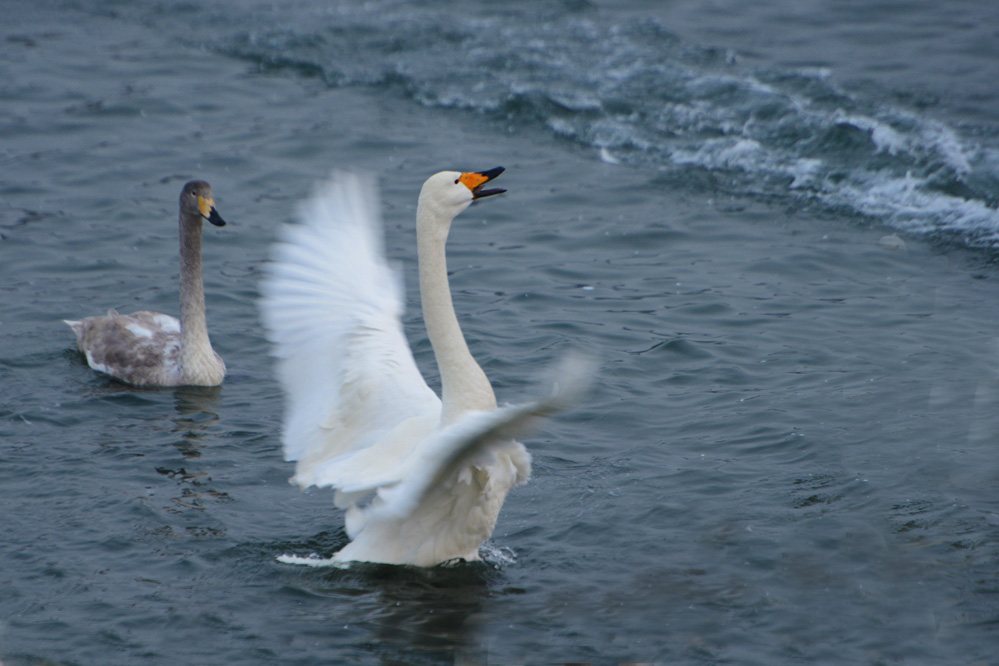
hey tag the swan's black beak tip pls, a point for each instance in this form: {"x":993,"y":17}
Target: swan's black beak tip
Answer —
{"x":488,"y":175}
{"x":215,"y":218}
{"x":492,"y":173}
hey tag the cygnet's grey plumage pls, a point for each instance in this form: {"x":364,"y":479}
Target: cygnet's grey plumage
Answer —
{"x":152,"y":349}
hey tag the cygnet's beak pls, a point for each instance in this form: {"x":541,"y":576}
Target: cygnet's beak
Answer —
{"x":207,"y":208}
{"x":475,"y":180}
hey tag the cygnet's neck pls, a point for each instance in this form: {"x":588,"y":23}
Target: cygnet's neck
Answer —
{"x":464,"y":386}
{"x":195,"y":348}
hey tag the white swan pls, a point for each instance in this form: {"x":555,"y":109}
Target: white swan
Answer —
{"x":359,"y":417}
{"x":152,"y":349}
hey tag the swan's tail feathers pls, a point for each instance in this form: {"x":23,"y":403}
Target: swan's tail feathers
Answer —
{"x":76,"y":325}
{"x":476,"y":438}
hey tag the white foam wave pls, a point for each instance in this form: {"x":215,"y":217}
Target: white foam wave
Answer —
{"x":947,"y":145}
{"x":908,"y":205}
{"x":885,"y":137}
{"x":805,"y":173}
{"x":608,"y":158}
{"x":640,"y":96}
{"x":744,"y":154}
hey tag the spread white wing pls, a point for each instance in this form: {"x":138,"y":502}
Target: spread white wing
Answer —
{"x":332,"y":305}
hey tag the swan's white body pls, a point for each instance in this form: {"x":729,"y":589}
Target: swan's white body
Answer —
{"x":153,"y":349}
{"x":359,"y":416}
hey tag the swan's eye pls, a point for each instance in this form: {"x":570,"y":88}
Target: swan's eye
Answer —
{"x":457,"y":180}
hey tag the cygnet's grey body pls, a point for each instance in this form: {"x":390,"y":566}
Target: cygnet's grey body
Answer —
{"x":152,"y":349}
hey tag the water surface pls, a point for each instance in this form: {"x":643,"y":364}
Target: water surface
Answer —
{"x":776,"y":226}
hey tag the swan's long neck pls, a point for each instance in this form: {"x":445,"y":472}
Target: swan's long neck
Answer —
{"x":196,"y":348}
{"x":464,"y":386}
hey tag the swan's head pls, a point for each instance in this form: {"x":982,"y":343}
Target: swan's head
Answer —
{"x":447,"y":193}
{"x":196,"y":202}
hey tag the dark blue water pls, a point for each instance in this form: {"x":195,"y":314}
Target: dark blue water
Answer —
{"x":774,"y":222}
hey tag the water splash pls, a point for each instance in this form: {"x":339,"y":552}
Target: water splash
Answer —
{"x":497,"y":556}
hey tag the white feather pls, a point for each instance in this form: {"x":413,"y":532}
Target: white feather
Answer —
{"x":332,"y":306}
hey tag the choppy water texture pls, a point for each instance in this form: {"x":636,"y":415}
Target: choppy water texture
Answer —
{"x":775,"y":222}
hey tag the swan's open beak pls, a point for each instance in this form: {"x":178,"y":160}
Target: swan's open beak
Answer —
{"x":207,"y":208}
{"x":475,"y":180}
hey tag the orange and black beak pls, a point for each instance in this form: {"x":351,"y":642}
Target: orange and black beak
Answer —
{"x":475,"y":180}
{"x":207,"y":208}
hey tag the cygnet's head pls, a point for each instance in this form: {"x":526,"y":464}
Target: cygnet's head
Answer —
{"x":196,"y":202}
{"x":447,"y":193}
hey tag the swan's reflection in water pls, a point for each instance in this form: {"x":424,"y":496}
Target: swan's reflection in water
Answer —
{"x":409,"y":614}
{"x":196,"y":412}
